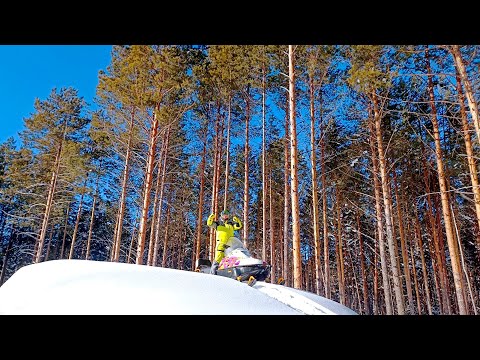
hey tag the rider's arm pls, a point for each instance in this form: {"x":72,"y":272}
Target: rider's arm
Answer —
{"x":237,"y":224}
{"x":211,"y":221}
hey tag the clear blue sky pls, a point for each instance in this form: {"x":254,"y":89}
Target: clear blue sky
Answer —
{"x":32,"y":71}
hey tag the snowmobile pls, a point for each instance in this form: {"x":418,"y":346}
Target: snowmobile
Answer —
{"x":237,"y":264}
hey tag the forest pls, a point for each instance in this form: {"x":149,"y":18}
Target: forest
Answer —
{"x":352,"y":167}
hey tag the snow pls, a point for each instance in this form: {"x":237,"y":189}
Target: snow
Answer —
{"x":99,"y":287}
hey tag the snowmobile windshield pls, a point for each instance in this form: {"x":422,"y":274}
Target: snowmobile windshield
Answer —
{"x":235,"y":244}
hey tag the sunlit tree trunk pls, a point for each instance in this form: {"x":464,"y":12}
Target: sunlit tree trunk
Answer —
{"x":403,"y":246}
{"x":415,"y":280}
{"x":51,"y":191}
{"x":264,"y":176}
{"x":472,"y":167}
{"x":313,"y":165}
{"x":286,"y":193}
{"x":366,"y":306}
{"x":216,"y":149}
{"x":227,"y":150}
{"x":452,"y":245}
{"x":92,"y":217}
{"x":49,"y":243}
{"x":142,"y":230}
{"x":198,"y":240}
{"x":462,"y":72}
{"x":326,"y":251}
{"x":375,"y":278}
{"x":273,"y":259}
{"x":246,"y":188}
{"x":77,"y":220}
{"x":67,"y":214}
{"x":378,"y":212}
{"x":156,"y":241}
{"x":297,"y":259}
{"x":387,"y":202}
{"x":123,"y":196}
{"x":165,"y":239}
{"x":418,"y":236}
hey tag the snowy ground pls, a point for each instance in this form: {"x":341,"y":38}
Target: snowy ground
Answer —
{"x":94,"y":287}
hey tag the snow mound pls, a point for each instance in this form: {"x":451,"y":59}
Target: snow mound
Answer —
{"x":100,"y":287}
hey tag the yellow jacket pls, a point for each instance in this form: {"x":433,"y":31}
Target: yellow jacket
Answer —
{"x":224,"y":231}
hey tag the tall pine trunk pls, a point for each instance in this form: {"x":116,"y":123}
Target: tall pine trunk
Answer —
{"x":264,"y":175}
{"x":297,"y":259}
{"x":286,"y":195}
{"x":326,"y":252}
{"x":92,"y":218}
{"x":462,"y":72}
{"x":403,"y":246}
{"x":142,"y":230}
{"x":77,"y":220}
{"x":366,"y":306}
{"x":198,"y":238}
{"x":246,"y":188}
{"x":156,"y":239}
{"x":123,"y":196}
{"x":378,"y":213}
{"x":451,"y":241}
{"x":313,"y":165}
{"x":472,"y":167}
{"x":51,"y":191}
{"x":387,"y":204}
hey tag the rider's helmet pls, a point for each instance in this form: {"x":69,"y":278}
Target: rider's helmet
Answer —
{"x":225,"y":215}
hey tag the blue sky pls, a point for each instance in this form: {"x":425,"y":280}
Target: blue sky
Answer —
{"x":32,"y":71}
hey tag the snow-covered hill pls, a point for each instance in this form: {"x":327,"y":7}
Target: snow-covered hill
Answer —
{"x":94,"y":287}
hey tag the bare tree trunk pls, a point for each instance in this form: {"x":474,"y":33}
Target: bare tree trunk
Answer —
{"x":273,"y":259}
{"x":297,"y":259}
{"x":418,"y":236}
{"x":340,"y":261}
{"x":92,"y":217}
{"x":452,"y":245}
{"x":462,"y":71}
{"x":366,"y":305}
{"x":264,"y":175}
{"x":472,"y":167}
{"x":355,"y":281}
{"x":121,"y":211}
{"x":153,"y":222}
{"x":387,"y":202}
{"x":6,"y":255}
{"x":165,"y":239}
{"x":227,"y":151}
{"x":403,"y":246}
{"x":142,"y":230}
{"x":77,"y":220}
{"x":65,"y":231}
{"x":415,"y":280}
{"x":378,"y":211}
{"x":437,"y":260}
{"x":161,"y":173}
{"x":216,"y":174}
{"x":464,"y":268}
{"x":326,"y":252}
{"x":375,"y":278}
{"x":246,"y":194}
{"x":49,"y":243}
{"x":313,"y":165}
{"x":51,"y":192}
{"x":198,"y":240}
{"x":286,"y":193}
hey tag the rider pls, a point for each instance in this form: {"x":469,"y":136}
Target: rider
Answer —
{"x":224,"y":231}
